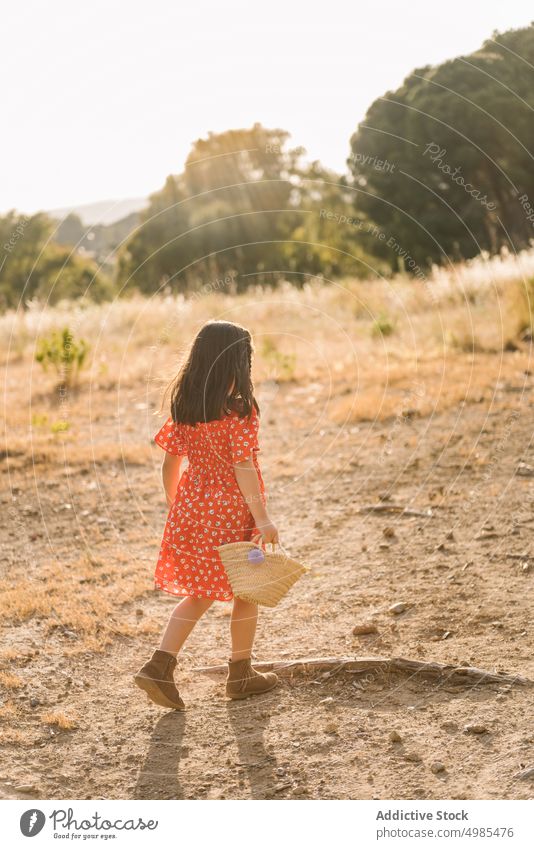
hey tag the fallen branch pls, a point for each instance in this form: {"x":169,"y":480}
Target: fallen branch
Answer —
{"x":511,"y":556}
{"x":525,"y":774}
{"x":468,"y":675}
{"x":395,"y":508}
{"x":456,"y":674}
{"x":309,"y":664}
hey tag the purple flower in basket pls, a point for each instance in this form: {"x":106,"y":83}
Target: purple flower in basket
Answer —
{"x":255,"y":555}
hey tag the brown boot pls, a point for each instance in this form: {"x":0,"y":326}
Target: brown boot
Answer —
{"x":156,"y":679}
{"x":244,"y":681}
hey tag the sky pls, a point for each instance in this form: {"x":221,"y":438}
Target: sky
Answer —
{"x":103,"y":99}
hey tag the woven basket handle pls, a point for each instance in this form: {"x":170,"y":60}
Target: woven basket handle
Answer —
{"x":272,"y":544}
{"x":275,"y":545}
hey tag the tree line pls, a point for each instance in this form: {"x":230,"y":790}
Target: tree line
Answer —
{"x":439,"y":170}
{"x":459,"y":142}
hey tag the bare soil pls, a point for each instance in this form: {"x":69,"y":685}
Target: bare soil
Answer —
{"x":80,"y":615}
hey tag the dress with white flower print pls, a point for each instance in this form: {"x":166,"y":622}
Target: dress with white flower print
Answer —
{"x":208,"y":509}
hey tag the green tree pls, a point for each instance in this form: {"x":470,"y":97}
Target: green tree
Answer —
{"x":457,"y":139}
{"x":64,"y":353}
{"x":245,"y":203}
{"x":230,"y":210}
{"x":330,"y":238}
{"x":32,"y":265}
{"x":99,"y":241}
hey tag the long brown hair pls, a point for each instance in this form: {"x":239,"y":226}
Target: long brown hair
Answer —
{"x":216,"y":377}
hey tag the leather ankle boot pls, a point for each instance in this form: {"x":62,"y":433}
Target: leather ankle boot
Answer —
{"x":243,"y":680}
{"x":156,"y":679}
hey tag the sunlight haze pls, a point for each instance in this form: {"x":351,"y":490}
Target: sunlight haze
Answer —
{"x":103,"y":100}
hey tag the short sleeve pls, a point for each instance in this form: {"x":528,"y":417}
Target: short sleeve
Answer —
{"x":244,"y":437}
{"x":171,"y":438}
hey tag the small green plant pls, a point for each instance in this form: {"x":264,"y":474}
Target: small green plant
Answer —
{"x":59,"y":427}
{"x":39,"y":420}
{"x":282,"y":364}
{"x":382,"y":326}
{"x":65,"y":354}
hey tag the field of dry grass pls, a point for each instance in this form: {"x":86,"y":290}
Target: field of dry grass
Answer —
{"x":413,"y":393}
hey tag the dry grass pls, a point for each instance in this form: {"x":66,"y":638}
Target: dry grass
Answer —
{"x":10,"y":681}
{"x":363,"y":333}
{"x":488,"y":296}
{"x":9,"y":655}
{"x":362,"y":350}
{"x":44,"y":449}
{"x":15,"y":737}
{"x":82,"y":598}
{"x":84,"y":501}
{"x":59,"y":720}
{"x":428,"y":386}
{"x":8,"y":711}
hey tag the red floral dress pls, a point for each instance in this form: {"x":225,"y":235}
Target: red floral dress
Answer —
{"x":208,"y":509}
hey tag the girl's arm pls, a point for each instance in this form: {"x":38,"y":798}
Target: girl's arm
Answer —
{"x":247,"y":481}
{"x":170,"y":474}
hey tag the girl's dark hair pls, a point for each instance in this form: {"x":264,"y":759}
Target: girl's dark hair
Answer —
{"x":216,"y":377}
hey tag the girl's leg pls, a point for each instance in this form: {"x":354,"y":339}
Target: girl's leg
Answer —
{"x":182,"y":621}
{"x":243,"y":680}
{"x":243,"y":628}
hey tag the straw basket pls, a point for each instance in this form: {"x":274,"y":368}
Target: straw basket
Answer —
{"x":262,"y":583}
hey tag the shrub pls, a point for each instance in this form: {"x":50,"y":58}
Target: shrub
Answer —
{"x":282,"y":365}
{"x":382,"y":326}
{"x":63,"y":353}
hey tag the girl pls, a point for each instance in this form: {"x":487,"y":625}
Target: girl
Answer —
{"x":219,"y":498}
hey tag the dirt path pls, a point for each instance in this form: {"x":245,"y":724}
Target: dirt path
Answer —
{"x":466,"y":572}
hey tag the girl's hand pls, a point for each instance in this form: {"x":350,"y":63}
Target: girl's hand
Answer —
{"x":268,"y":533}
